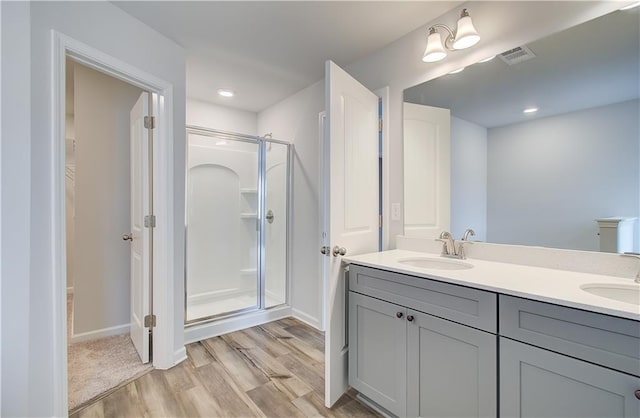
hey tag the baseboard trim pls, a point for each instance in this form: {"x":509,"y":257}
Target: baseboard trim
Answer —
{"x":100,"y":333}
{"x":201,"y":332}
{"x":306,"y":318}
{"x":179,"y":356}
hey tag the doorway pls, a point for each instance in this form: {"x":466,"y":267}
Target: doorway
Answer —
{"x":100,"y":197}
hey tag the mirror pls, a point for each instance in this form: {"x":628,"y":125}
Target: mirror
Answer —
{"x":538,"y":177}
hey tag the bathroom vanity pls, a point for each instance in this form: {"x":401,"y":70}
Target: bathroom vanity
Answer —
{"x":433,"y":337}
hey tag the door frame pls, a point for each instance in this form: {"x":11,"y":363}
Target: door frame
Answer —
{"x":162,"y":298}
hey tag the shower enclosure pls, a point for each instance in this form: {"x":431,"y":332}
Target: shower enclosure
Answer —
{"x":237,"y":220}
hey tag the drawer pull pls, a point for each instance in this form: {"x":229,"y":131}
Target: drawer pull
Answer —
{"x":637,"y":393}
{"x":399,"y":315}
{"x":410,"y":318}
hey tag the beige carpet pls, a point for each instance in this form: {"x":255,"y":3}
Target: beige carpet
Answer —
{"x":96,"y":366}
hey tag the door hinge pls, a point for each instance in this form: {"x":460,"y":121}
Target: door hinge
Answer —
{"x":150,"y":221}
{"x":379,"y":125}
{"x":149,"y":122}
{"x":149,"y":321}
{"x":379,"y":221}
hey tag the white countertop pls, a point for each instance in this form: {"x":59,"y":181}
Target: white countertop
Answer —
{"x":543,"y":284}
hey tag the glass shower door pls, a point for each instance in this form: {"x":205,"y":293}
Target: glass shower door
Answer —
{"x":222,"y":235}
{"x":276,"y":225}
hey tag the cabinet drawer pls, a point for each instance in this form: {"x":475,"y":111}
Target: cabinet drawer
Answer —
{"x":472,"y":307}
{"x":606,"y":340}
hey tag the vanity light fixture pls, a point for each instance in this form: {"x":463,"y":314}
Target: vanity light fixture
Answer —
{"x":225,"y":93}
{"x":465,"y":36}
{"x":630,"y":6}
{"x":459,"y":70}
{"x":530,"y":110}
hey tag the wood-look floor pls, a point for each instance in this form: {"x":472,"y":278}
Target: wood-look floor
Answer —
{"x":272,"y":370}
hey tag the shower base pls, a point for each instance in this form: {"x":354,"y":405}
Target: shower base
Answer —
{"x":200,"y":306}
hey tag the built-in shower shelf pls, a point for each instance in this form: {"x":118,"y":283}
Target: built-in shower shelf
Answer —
{"x":246,"y":215}
{"x":248,"y":191}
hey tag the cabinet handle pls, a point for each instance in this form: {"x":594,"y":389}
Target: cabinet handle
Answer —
{"x":637,"y":393}
{"x":410,"y":318}
{"x":399,"y":315}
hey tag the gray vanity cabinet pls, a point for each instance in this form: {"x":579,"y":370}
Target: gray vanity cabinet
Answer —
{"x":451,"y":369}
{"x":413,"y":363}
{"x":539,"y":383}
{"x":378,"y":351}
{"x":557,"y":361}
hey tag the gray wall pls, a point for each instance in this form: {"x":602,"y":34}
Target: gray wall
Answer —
{"x":468,"y":178}
{"x":550,"y":178}
{"x":102,"y":201}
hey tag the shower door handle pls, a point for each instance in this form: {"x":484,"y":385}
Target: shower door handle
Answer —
{"x":325,"y":250}
{"x":127,"y":237}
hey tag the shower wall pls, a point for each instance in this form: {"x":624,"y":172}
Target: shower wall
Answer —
{"x":221,"y":220}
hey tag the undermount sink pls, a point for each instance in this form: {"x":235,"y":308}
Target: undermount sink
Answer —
{"x":627,"y":293}
{"x":432,"y":263}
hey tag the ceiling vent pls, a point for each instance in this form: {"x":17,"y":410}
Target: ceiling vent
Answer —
{"x":517,"y":55}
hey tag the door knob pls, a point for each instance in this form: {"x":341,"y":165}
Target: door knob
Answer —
{"x":127,"y":237}
{"x":339,"y":251}
{"x":637,"y":393}
{"x":325,"y":250}
{"x":399,"y":315}
{"x":410,"y":318}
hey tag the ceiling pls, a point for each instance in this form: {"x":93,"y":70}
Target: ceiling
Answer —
{"x":267,"y":50}
{"x":592,"y":64}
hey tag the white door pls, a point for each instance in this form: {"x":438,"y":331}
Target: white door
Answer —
{"x":427,"y":162}
{"x":139,"y":235}
{"x":350,"y":205}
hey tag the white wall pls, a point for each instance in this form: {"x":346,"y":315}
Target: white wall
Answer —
{"x":102,"y":260}
{"x":468,"y":178}
{"x":106,"y":28}
{"x":502,"y":26}
{"x":534,"y":166}
{"x":16,"y":210}
{"x":296,"y":120}
{"x":209,"y":115}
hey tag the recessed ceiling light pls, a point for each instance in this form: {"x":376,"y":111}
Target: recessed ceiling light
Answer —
{"x":225,"y":93}
{"x":459,"y":70}
{"x":530,"y":110}
{"x":488,"y":59}
{"x":630,"y":6}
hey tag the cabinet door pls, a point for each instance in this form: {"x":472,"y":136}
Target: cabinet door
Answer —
{"x":540,"y":383}
{"x":452,"y":369}
{"x":378,"y":351}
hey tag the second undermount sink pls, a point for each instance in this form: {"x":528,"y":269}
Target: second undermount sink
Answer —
{"x":433,"y":263}
{"x":627,"y":293}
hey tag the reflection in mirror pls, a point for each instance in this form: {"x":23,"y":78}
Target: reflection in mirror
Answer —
{"x":535,"y":177}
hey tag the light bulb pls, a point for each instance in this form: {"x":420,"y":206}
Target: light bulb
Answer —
{"x":466,"y":34}
{"x":435,"y":50}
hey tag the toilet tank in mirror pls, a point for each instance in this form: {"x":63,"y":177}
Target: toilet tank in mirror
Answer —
{"x":543,"y":139}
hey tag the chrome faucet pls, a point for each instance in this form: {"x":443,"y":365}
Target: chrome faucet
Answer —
{"x":449,"y":245}
{"x":465,"y":240}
